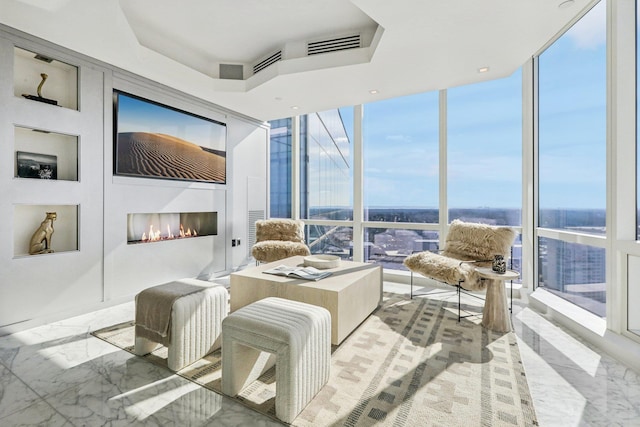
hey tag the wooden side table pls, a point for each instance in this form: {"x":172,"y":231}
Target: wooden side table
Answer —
{"x":495,"y":315}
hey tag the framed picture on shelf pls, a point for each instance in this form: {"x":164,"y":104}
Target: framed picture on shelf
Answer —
{"x":36,"y":165}
{"x":153,"y":140}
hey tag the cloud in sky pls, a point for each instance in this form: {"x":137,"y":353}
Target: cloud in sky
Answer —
{"x":398,"y":138}
{"x":590,"y":32}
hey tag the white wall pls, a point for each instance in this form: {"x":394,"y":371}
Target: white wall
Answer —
{"x":34,"y":286}
{"x":131,"y":268}
{"x":92,"y":266}
{"x":249,"y":175}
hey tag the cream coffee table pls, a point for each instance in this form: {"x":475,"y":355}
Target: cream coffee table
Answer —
{"x":350,"y":294}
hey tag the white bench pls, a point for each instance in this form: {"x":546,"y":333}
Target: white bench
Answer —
{"x":195,"y":323}
{"x":297,"y":335}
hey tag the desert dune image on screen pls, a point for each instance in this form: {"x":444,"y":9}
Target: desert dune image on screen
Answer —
{"x":155,"y":141}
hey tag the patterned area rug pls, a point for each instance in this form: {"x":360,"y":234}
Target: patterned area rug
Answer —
{"x":411,"y":363}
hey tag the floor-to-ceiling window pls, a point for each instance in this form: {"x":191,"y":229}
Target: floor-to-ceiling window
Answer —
{"x":572,"y":164}
{"x":401,"y":175}
{"x":484,"y":154}
{"x":576,"y":256}
{"x":280,"y":169}
{"x":484,"y":144}
{"x":326,"y":180}
{"x":327,"y":166}
{"x":326,"y":176}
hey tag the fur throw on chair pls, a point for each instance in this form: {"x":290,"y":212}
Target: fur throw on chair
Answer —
{"x":465,"y":242}
{"x":278,"y":239}
{"x":471,"y":241}
{"x":441,"y":268}
{"x":280,"y":229}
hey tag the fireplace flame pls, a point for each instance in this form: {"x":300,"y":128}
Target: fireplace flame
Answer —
{"x":155,"y":235}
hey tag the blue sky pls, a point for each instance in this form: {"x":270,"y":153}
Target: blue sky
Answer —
{"x":139,"y":116}
{"x":573,"y":117}
{"x":484,"y":135}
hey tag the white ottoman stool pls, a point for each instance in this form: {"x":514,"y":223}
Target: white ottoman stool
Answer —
{"x":296,"y":334}
{"x":185,"y":316}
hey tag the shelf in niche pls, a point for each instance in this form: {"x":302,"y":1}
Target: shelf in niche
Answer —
{"x":45,"y":155}
{"x":27,"y":219}
{"x":61,"y":84}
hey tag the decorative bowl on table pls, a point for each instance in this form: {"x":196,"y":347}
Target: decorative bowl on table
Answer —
{"x":322,"y":262}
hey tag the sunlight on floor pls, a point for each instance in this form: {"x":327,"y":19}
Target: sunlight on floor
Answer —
{"x":156,"y":400}
{"x":573,"y":350}
{"x":83,"y":352}
{"x":562,"y":402}
{"x":145,"y":387}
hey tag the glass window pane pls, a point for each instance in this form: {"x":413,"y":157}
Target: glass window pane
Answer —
{"x":515,"y":260}
{"x":389,"y":247}
{"x":484,"y":143}
{"x":574,"y":272}
{"x":572,"y":128}
{"x":326,"y":181}
{"x":280,"y":169}
{"x":330,"y":239}
{"x":401,"y":159}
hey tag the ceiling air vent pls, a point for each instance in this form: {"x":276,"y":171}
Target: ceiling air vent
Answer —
{"x":230,"y":71}
{"x":333,"y":45}
{"x":267,"y":61}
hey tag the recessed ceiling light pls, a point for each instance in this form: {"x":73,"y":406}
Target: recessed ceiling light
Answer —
{"x":277,"y":98}
{"x":373,"y":91}
{"x":294,"y":107}
{"x":483,"y":69}
{"x":565,"y":4}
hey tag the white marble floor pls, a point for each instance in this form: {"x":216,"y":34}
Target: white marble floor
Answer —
{"x":60,"y":375}
{"x":572,"y":382}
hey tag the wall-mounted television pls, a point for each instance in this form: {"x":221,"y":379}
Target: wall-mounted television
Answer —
{"x":152,"y":140}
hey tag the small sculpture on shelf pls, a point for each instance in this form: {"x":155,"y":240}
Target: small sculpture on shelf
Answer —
{"x":39,"y":97}
{"x":499,"y":265}
{"x":41,"y":239}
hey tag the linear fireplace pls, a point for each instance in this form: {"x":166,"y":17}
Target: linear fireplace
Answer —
{"x":157,"y":227}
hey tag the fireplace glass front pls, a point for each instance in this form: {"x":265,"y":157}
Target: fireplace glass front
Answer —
{"x":157,"y":227}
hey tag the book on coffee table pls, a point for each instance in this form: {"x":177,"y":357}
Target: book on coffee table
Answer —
{"x":306,"y":273}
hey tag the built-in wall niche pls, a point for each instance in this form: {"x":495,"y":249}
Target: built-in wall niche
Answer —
{"x":32,"y":225}
{"x":156,"y":227}
{"x":43,"y":79}
{"x":45,"y":155}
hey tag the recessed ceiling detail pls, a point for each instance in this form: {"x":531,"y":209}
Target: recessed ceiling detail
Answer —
{"x":223,"y":51}
{"x":334,"y":44}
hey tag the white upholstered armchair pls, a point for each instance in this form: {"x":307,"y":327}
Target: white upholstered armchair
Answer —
{"x":278,"y":238}
{"x":467,"y":246}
